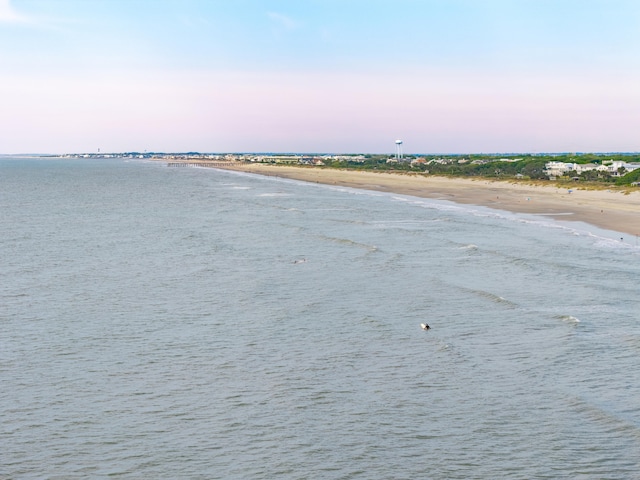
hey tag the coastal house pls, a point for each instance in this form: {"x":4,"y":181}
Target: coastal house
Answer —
{"x":441,"y":161}
{"x":290,"y":159}
{"x":616,"y":167}
{"x":587,"y":167}
{"x":558,"y":169}
{"x":613,"y":168}
{"x":287,"y":159}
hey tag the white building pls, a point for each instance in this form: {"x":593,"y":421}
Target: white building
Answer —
{"x":558,"y":169}
{"x":613,"y":167}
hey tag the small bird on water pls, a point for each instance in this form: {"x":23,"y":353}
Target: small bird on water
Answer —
{"x":425,"y":326}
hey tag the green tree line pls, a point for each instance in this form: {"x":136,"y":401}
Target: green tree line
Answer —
{"x":491,"y":166}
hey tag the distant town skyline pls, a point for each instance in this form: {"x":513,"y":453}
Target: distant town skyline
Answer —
{"x":448,"y":76}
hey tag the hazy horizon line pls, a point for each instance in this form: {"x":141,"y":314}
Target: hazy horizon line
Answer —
{"x":137,"y":152}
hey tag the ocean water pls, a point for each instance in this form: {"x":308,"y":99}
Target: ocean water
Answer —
{"x":168,"y":323}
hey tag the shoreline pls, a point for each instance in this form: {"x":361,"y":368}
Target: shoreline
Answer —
{"x":609,"y":210}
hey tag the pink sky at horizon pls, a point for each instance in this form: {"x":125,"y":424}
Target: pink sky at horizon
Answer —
{"x":291,"y":76}
{"x":352,"y":113}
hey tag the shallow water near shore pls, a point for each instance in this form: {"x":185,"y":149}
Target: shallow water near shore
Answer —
{"x":164,"y":322}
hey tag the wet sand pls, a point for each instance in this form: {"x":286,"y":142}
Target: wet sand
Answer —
{"x":611,"y":210}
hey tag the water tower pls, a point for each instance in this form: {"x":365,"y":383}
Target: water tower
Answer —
{"x":398,"y":149}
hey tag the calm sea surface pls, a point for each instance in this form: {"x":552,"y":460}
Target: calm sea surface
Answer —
{"x":191,"y":323}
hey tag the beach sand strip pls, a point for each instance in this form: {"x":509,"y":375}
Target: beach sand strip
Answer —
{"x":607,"y":209}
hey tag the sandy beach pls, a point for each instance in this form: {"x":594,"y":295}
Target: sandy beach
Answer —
{"x":611,"y":210}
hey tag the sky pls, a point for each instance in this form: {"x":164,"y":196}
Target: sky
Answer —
{"x":330,"y":76}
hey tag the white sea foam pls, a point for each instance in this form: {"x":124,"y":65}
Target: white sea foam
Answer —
{"x":274,"y":194}
{"x":569,"y":319}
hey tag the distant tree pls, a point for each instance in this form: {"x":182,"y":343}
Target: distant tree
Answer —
{"x":534,"y":168}
{"x":591,"y":175}
{"x":629,"y":178}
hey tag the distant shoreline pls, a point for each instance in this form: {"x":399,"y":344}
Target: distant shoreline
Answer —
{"x":610,"y":210}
